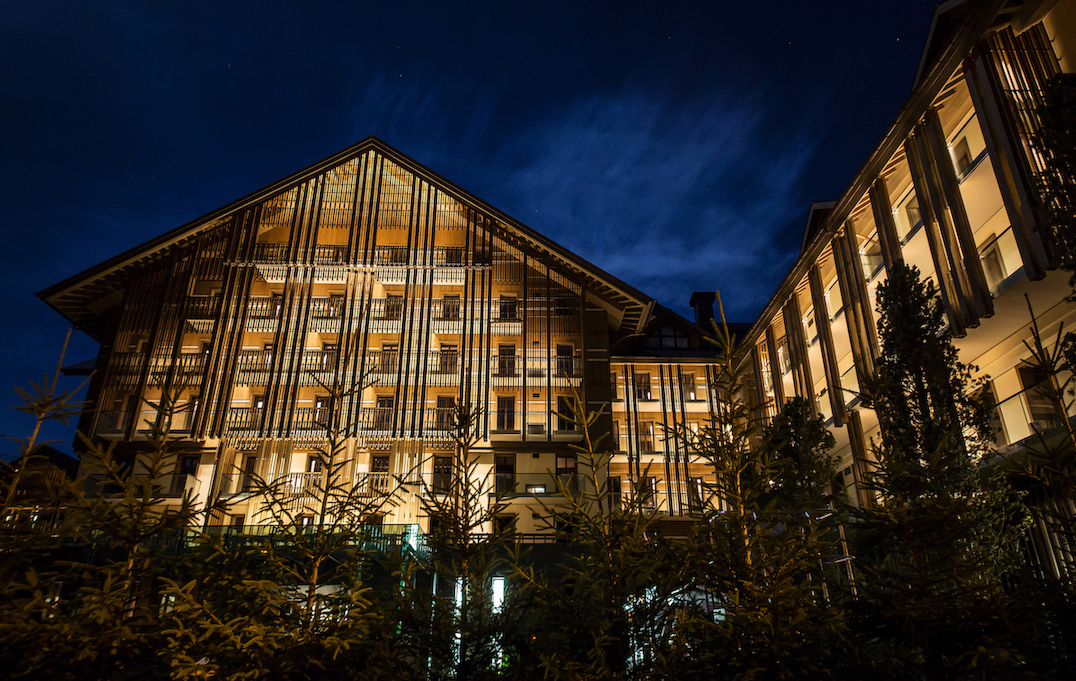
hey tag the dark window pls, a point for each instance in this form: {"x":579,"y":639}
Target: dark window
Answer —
{"x":379,"y":468}
{"x":509,"y":309}
{"x":566,"y":472}
{"x":911,"y":210}
{"x":247,"y":481}
{"x":328,"y":356}
{"x":696,"y":492}
{"x":1039,"y":405}
{"x":504,"y":524}
{"x":449,"y":359}
{"x":188,"y":465}
{"x":642,"y":386}
{"x":962,"y":156}
{"x":383,"y":412}
{"x":613,"y":385}
{"x":390,"y":354}
{"x":687,"y":382}
{"x":646,"y":436}
{"x":506,"y":360}
{"x":505,"y":473}
{"x":506,"y":412}
{"x":446,"y":412}
{"x":442,"y":474}
{"x":450,"y":307}
{"x":614,"y":492}
{"x":668,"y":337}
{"x":393,"y":307}
{"x":565,"y":413}
{"x":313,"y":464}
{"x":322,"y":410}
{"x":564,"y":307}
{"x":565,"y":360}
{"x":650,"y":493}
{"x":454,"y":255}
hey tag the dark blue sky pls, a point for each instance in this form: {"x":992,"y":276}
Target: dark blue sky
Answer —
{"x":675,"y":144}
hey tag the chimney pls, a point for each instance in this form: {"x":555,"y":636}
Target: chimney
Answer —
{"x":703,"y":304}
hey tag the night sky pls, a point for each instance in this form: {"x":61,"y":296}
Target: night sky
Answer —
{"x":676,"y":145}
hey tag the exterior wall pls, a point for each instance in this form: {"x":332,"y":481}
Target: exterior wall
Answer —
{"x":953,"y":200}
{"x":656,"y":406}
{"x":368,"y":302}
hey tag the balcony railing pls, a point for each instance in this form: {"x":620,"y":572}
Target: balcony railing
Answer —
{"x":506,"y":365}
{"x":376,"y":418}
{"x":327,"y":308}
{"x":536,"y":484}
{"x":330,"y":254}
{"x":271,"y":252}
{"x":391,"y":255}
{"x":311,"y":485}
{"x":203,"y":307}
{"x":264,"y":308}
{"x":244,"y":418}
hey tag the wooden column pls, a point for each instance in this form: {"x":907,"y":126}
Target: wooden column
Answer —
{"x":918,"y":158}
{"x":976,"y":291}
{"x":1004,"y":143}
{"x":860,"y":464}
{"x":883,"y":222}
{"x":797,"y":346}
{"x":775,"y":370}
{"x":861,"y":332}
{"x":825,"y":339}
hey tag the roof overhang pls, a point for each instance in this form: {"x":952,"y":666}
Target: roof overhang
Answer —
{"x":84,"y":297}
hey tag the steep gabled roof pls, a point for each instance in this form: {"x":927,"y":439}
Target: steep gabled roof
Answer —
{"x":84,"y":297}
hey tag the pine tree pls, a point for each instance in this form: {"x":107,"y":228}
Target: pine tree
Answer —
{"x":761,"y":543}
{"x":291,"y":600}
{"x":616,"y":603}
{"x":932,"y":555}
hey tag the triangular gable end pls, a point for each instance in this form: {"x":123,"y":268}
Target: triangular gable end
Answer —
{"x":366,"y":206}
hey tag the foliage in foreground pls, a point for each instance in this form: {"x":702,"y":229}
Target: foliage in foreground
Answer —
{"x":754,"y":584}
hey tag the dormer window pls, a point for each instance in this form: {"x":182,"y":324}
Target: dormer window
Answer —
{"x":668,"y":337}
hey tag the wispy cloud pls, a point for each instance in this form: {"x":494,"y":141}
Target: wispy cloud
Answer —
{"x":669,"y":194}
{"x":670,"y":197}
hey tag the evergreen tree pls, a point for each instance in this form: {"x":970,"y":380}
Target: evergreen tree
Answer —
{"x":932,"y":555}
{"x":800,"y":446}
{"x":292,"y":599}
{"x":616,"y":603}
{"x":96,"y":611}
{"x":762,"y":541}
{"x":451,"y":623}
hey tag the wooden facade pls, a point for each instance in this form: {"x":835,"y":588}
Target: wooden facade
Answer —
{"x":368,"y":296}
{"x":950,"y":190}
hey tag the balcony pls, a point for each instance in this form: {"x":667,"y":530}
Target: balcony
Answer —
{"x":536,"y":484}
{"x":330,"y":254}
{"x":383,"y":364}
{"x":505,"y":369}
{"x":385,"y":315}
{"x":263,"y":314}
{"x":252,"y":367}
{"x":439,"y":423}
{"x":295,"y":488}
{"x":125,"y":368}
{"x":202,"y":312}
{"x":326,"y":314}
{"x":185,"y":369}
{"x":377,"y":421}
